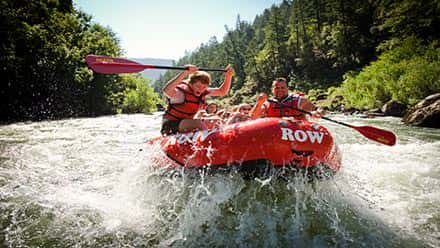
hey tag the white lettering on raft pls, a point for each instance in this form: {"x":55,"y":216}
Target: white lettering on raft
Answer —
{"x":192,"y":137}
{"x":301,"y":136}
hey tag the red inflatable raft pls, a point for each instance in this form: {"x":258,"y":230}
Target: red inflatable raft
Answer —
{"x":281,"y":142}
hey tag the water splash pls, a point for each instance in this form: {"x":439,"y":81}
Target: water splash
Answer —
{"x":92,"y":182}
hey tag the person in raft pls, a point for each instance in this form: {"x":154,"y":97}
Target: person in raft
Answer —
{"x":242,"y":114}
{"x":186,"y":97}
{"x":209,"y":111}
{"x":284,"y":104}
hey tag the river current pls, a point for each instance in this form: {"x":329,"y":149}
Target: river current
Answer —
{"x":91,"y":182}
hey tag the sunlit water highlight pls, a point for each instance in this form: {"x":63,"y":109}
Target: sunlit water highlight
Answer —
{"x":91,"y":183}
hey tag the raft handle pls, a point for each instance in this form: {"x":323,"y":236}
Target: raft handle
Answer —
{"x":302,"y":153}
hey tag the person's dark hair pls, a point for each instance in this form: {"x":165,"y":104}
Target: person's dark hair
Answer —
{"x":280,"y":79}
{"x":212,"y":104}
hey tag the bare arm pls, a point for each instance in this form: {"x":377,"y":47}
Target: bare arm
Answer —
{"x":226,"y":85}
{"x":169,"y":88}
{"x":308,"y":106}
{"x":200,"y":114}
{"x":258,"y":108}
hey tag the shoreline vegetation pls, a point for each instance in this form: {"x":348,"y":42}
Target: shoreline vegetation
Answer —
{"x":381,"y":58}
{"x":42,"y":49}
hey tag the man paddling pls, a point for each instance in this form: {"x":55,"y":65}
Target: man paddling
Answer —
{"x":185,"y":98}
{"x":284,"y":104}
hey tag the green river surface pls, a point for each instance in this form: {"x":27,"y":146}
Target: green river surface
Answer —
{"x":91,"y":182}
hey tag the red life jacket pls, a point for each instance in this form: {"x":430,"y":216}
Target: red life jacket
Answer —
{"x":189,"y":107}
{"x":285,"y":108}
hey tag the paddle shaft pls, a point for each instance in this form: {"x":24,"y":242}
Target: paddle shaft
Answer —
{"x":325,"y":118}
{"x":379,"y":135}
{"x":141,"y":66}
{"x":335,"y":121}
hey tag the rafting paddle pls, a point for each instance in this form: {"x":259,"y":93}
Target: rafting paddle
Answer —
{"x":379,"y":135}
{"x":109,"y":65}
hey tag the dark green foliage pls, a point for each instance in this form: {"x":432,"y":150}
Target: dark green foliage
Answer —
{"x":414,"y":18}
{"x":42,"y":50}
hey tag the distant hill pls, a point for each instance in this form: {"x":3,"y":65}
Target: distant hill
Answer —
{"x":153,"y":74}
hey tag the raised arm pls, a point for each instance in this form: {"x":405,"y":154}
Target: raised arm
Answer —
{"x":258,"y":108}
{"x":226,"y":85}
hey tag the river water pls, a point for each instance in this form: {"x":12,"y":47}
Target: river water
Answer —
{"x":91,"y":183}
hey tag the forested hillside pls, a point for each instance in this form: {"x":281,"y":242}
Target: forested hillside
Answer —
{"x":319,"y":44}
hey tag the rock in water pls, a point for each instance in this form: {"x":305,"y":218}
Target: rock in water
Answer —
{"x":394,"y":108}
{"x":425,"y":113}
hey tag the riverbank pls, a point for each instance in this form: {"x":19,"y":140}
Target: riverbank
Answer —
{"x":425,"y":113}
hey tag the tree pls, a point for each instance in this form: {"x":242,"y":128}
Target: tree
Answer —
{"x":42,"y":50}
